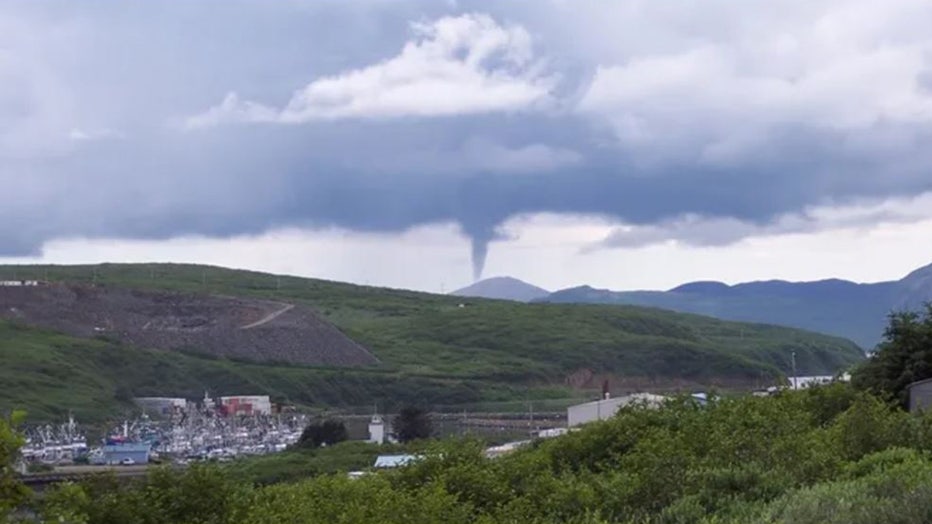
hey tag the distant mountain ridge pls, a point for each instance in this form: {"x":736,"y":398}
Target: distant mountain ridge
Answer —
{"x":503,"y":288}
{"x":833,"y":306}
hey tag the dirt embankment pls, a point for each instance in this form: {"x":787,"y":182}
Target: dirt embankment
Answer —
{"x":251,"y":329}
{"x":624,"y":384}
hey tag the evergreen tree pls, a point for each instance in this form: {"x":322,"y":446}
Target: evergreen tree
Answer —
{"x":324,"y":433}
{"x":904,"y":357}
{"x":412,"y":423}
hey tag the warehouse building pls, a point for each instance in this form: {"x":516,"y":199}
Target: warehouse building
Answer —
{"x":163,"y":406}
{"x":607,"y":407}
{"x":126,"y":453}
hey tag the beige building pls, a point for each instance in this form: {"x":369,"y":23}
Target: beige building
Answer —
{"x":920,"y":395}
{"x":606,"y":408}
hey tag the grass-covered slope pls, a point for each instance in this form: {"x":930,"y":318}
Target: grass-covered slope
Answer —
{"x":49,"y":374}
{"x":431,"y":349}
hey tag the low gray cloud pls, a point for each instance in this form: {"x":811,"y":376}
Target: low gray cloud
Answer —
{"x":697,"y":231}
{"x":705,"y":124}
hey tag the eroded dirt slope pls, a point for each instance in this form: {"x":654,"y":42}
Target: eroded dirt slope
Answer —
{"x":257,"y":330}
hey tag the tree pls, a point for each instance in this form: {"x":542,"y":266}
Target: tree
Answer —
{"x":324,"y":433}
{"x":12,"y":491}
{"x":904,"y":357}
{"x":412,"y":423}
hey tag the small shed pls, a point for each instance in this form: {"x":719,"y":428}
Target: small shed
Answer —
{"x":920,"y":395}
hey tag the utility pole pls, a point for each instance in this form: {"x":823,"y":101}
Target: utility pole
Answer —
{"x":795,"y":379}
{"x":530,"y":413}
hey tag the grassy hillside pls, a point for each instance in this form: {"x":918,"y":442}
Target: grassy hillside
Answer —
{"x":431,"y":349}
{"x":48,"y":374}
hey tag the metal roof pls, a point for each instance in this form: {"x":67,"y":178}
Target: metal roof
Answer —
{"x":649,"y":398}
{"x":919,"y":382}
{"x":394,"y":461}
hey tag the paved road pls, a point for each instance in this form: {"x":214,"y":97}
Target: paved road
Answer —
{"x":85,"y":469}
{"x":73,"y":473}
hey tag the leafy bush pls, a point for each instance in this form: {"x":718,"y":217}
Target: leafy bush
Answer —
{"x":891,"y":487}
{"x":12,"y":491}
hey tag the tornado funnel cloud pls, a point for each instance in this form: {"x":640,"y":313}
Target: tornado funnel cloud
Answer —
{"x":480,"y":250}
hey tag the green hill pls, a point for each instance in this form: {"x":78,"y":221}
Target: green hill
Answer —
{"x":434,"y":349}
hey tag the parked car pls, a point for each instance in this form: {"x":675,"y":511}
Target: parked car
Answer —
{"x":127,"y":462}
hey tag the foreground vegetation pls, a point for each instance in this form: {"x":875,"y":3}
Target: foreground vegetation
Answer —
{"x":829,"y":455}
{"x":833,"y":454}
{"x":301,"y":463}
{"x":430,"y":348}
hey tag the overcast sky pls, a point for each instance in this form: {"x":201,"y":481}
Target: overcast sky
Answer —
{"x":627,"y":144}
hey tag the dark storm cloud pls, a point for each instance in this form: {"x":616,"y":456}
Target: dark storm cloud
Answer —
{"x":99,"y":148}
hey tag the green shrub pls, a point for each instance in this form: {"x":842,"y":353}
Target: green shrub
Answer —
{"x":891,"y":487}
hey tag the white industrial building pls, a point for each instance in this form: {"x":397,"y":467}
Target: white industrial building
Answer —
{"x":19,"y":283}
{"x":807,"y":382}
{"x":606,"y":408}
{"x":376,"y":430}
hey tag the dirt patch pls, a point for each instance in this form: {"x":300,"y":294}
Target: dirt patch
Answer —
{"x":249,"y":329}
{"x":586,"y":379}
